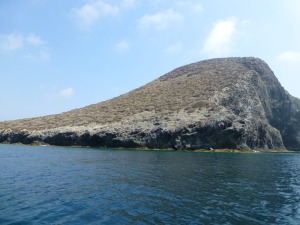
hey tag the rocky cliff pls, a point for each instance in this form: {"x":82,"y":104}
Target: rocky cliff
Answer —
{"x":234,"y":103}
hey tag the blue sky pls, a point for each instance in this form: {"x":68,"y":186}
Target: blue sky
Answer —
{"x":59,"y":55}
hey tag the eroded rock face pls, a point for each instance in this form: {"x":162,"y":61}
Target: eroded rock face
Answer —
{"x":234,"y":103}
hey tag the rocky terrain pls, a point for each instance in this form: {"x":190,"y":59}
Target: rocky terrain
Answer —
{"x":233,"y":103}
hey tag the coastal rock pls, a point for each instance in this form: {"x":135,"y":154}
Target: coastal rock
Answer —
{"x":234,"y":103}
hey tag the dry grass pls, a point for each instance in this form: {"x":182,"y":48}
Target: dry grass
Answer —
{"x":187,"y":88}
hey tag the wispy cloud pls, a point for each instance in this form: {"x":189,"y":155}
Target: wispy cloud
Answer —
{"x":160,"y":20}
{"x":35,"y":40}
{"x":32,"y":46}
{"x":122,"y":46}
{"x":58,"y":94}
{"x":66,"y":93}
{"x":289,"y":56}
{"x":11,"y":42}
{"x":92,"y":12}
{"x":220,"y":39}
{"x":15,"y":41}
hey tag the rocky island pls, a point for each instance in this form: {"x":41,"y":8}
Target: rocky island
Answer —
{"x":232,"y":103}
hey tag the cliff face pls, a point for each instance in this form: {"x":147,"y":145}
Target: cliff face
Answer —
{"x":219,"y":103}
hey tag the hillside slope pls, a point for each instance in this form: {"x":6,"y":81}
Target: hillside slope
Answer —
{"x":219,"y":103}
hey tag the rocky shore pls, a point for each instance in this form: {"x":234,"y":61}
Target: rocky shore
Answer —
{"x":230,"y":103}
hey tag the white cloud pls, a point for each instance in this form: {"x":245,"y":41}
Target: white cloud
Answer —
{"x":174,"y":48}
{"x":219,"y":41}
{"x":31,"y":46}
{"x":160,"y":20}
{"x":54,"y":93}
{"x":11,"y":42}
{"x":14,"y":41}
{"x":67,"y":93}
{"x":92,"y":12}
{"x":35,"y":40}
{"x":122,"y":46}
{"x":289,"y":56}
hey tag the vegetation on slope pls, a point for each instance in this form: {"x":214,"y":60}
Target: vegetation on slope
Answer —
{"x":187,"y":88}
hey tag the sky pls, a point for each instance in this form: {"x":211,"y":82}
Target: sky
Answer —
{"x":60,"y":55}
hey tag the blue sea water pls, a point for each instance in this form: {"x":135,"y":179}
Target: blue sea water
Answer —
{"x":54,"y":185}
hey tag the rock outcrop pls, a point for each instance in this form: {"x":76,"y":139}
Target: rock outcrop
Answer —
{"x":234,"y":103}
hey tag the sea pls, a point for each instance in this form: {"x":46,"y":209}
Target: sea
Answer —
{"x":58,"y":185}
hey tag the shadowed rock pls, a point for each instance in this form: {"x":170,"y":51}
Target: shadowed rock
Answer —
{"x":234,"y":103}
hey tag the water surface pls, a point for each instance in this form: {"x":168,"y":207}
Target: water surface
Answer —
{"x":54,"y":185}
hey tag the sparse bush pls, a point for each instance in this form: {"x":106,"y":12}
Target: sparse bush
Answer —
{"x":187,"y":88}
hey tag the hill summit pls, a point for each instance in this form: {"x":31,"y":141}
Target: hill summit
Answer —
{"x":234,"y":103}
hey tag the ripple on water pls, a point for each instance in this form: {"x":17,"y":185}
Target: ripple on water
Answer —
{"x":85,"y":186}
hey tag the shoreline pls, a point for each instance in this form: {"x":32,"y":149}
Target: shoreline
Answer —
{"x":163,"y":150}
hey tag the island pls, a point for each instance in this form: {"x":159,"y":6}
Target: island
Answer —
{"x":224,"y":103}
